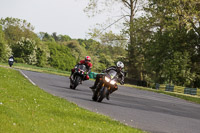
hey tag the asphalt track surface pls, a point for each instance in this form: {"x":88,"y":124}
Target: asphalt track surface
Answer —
{"x":149,"y":111}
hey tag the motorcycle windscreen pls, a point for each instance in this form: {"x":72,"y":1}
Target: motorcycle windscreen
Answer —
{"x":112,"y":73}
{"x":82,"y":67}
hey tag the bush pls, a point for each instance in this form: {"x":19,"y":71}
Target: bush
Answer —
{"x":41,"y":58}
{"x":26,"y":49}
{"x":61,"y":57}
{"x":19,"y":60}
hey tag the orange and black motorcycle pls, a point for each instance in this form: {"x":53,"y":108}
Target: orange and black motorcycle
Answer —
{"x":107,"y":82}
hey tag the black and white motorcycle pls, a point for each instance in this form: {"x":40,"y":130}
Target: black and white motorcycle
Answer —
{"x":10,"y":61}
{"x":78,"y":76}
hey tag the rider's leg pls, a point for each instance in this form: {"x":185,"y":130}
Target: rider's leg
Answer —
{"x":96,"y":81}
{"x":85,"y":78}
{"x":72,"y":71}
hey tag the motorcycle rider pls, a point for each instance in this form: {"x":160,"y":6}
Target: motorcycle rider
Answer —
{"x":11,"y":60}
{"x":121,"y":74}
{"x":88,"y":65}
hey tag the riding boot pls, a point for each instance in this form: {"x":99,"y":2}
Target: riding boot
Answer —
{"x":107,"y":95}
{"x":72,"y":72}
{"x":70,"y":77}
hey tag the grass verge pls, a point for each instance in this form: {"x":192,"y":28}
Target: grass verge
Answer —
{"x":26,"y":108}
{"x":190,"y":98}
{"x":38,"y":69}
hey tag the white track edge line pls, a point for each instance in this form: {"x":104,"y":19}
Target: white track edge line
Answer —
{"x":27,"y":77}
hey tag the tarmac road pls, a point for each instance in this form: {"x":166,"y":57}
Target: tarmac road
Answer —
{"x":149,"y":111}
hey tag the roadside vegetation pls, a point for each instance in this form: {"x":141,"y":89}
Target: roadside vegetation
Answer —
{"x":191,"y":98}
{"x":160,"y":46}
{"x":27,"y":108}
{"x":50,"y":70}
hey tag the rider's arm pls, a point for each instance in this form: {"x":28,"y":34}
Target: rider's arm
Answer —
{"x":89,"y":70}
{"x":121,"y":78}
{"x":90,"y":67}
{"x":81,"y":62}
{"x":110,"y":68}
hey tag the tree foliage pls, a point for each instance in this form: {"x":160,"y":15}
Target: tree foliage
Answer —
{"x":5,"y":50}
{"x":26,"y":50}
{"x":173,"y":49}
{"x":60,"y":57}
{"x":162,"y":46}
{"x":14,"y":29}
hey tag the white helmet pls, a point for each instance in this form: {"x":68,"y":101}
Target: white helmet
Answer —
{"x":120,"y":64}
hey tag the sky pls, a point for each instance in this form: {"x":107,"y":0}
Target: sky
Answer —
{"x":64,"y":17}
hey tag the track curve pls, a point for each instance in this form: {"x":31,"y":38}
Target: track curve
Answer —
{"x":149,"y":111}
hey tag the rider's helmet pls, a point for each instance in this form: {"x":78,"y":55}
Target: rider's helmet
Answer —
{"x":120,"y":65}
{"x":87,"y":59}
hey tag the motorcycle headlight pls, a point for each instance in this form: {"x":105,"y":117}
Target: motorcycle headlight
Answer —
{"x":112,"y":82}
{"x":107,"y":79}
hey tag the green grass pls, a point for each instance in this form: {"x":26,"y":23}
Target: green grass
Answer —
{"x":39,"y":69}
{"x":195,"y":99}
{"x":25,"y":108}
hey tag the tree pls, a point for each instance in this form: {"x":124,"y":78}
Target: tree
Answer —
{"x":46,"y":37}
{"x":77,"y":50}
{"x":60,"y":56}
{"x":129,"y":9}
{"x":64,"y":38}
{"x":26,"y":49}
{"x":188,"y":11}
{"x":117,"y":43}
{"x":15,"y":29}
{"x":42,"y":54}
{"x":55,"y":37}
{"x":5,"y":50}
{"x":174,"y":46}
{"x":136,"y":51}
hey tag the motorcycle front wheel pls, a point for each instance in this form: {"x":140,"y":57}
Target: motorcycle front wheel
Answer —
{"x":96,"y":92}
{"x":76,"y":81}
{"x":94,"y":97}
{"x":102,"y":94}
{"x":10,"y":64}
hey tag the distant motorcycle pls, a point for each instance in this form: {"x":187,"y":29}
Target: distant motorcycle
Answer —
{"x":10,"y":61}
{"x":108,"y":81}
{"x":78,"y":76}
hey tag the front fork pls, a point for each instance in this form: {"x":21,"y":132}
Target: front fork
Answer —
{"x":103,"y":86}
